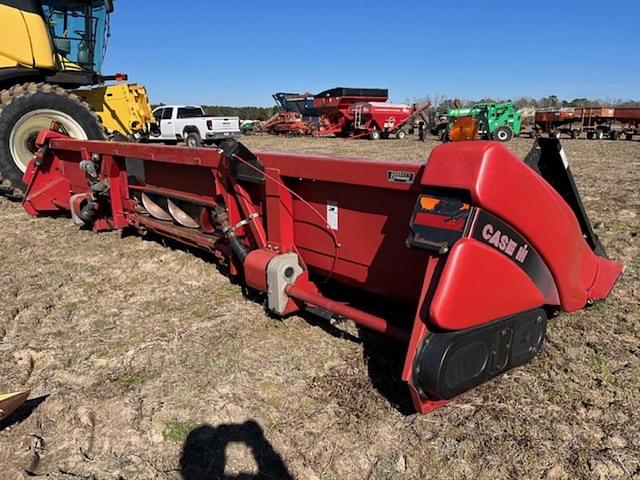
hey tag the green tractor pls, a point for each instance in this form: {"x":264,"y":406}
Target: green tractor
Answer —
{"x":495,"y":121}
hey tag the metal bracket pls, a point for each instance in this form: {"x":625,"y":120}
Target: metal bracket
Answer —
{"x":244,"y":222}
{"x":282,"y":271}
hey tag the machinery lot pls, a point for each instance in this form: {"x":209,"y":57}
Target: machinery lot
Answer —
{"x":146,"y":361}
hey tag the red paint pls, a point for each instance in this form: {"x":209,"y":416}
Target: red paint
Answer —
{"x":440,"y":221}
{"x":502,"y":184}
{"x":477,"y":283}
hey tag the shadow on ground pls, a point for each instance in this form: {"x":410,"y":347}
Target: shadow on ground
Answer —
{"x":204,"y":454}
{"x":22,"y":413}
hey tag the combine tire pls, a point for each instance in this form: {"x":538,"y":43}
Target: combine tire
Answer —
{"x":503,"y":134}
{"x":374,"y":135}
{"x":193,"y":140}
{"x":400,"y":134}
{"x":25,"y":110}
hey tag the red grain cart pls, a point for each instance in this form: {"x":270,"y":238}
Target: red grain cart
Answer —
{"x":334,"y":105}
{"x":381,"y":120}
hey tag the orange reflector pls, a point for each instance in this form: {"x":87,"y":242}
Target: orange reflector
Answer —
{"x":464,"y":128}
{"x":428,"y":203}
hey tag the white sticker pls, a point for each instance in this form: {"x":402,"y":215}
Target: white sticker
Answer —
{"x":564,"y":158}
{"x":332,"y":214}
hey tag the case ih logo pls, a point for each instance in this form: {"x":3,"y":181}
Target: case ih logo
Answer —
{"x":504,"y":243}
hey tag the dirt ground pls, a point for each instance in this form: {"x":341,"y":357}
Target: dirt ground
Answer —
{"x":146,"y":362}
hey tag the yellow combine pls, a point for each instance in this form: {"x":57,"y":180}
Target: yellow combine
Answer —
{"x":51,"y":54}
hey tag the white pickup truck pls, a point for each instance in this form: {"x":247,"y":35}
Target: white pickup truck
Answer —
{"x":184,"y":123}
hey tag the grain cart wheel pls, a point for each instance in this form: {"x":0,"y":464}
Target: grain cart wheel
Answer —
{"x":192,"y":139}
{"x":374,"y":135}
{"x":504,"y":133}
{"x":27,"y":109}
{"x":400,"y":134}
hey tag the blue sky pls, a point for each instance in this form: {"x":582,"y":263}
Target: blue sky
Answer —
{"x":229,"y":52}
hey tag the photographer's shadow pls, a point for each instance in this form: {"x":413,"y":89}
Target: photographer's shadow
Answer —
{"x":204,"y":453}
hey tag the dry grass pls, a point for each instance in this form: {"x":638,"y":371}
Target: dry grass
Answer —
{"x":135,"y":344}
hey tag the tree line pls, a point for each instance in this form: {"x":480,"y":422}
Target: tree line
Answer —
{"x":245,"y":113}
{"x":552,"y":101}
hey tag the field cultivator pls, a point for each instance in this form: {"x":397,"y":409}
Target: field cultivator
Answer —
{"x":295,"y":118}
{"x":463,"y":258}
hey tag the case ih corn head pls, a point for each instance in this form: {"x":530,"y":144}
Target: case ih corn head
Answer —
{"x":463,"y":257}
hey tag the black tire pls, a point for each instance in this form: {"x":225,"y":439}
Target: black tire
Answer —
{"x":533,"y":134}
{"x":400,"y":134}
{"x":575,"y":134}
{"x":192,"y":139}
{"x":374,"y":135}
{"x":590,"y":135}
{"x":503,"y":134}
{"x":613,"y":135}
{"x":628,"y":136}
{"x":17,"y":103}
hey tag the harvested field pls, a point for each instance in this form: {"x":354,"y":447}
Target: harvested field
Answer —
{"x":146,"y":362}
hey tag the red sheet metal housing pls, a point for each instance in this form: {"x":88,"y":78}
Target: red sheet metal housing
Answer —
{"x":502,"y":184}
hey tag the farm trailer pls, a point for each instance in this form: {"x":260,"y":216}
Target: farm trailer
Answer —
{"x":595,"y":122}
{"x":443,"y":256}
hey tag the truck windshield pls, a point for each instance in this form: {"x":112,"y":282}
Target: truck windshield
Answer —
{"x":190,"y":112}
{"x":79,"y":30}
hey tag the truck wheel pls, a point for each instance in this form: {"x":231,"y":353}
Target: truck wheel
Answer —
{"x":590,"y":135}
{"x":27,"y":109}
{"x":613,"y":135}
{"x":628,"y":136}
{"x":533,"y":134}
{"x":503,"y":134}
{"x":575,"y":134}
{"x":554,"y":134}
{"x":374,"y":135}
{"x":192,"y":139}
{"x":400,"y":134}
